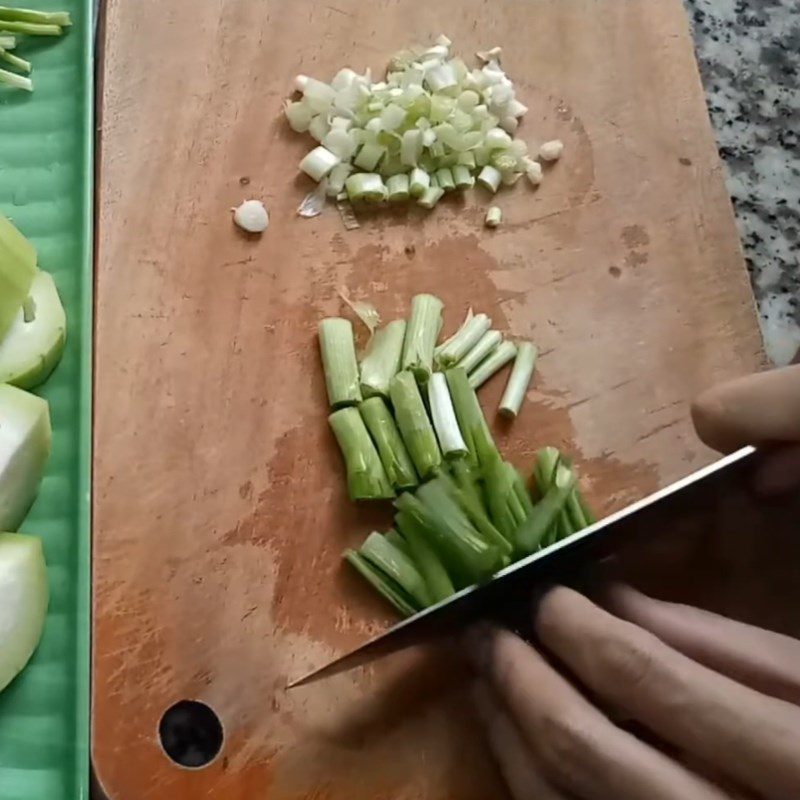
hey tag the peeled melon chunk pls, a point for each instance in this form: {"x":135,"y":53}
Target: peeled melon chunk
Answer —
{"x":17,"y":268}
{"x":34,"y":343}
{"x":25,"y":437}
{"x":24,"y":593}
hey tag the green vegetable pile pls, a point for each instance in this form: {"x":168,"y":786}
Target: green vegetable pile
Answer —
{"x":22,"y":22}
{"x":410,"y":429}
{"x":32,"y":336}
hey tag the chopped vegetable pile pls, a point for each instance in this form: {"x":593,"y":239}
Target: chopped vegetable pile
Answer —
{"x":411,"y":429}
{"x":16,"y":22}
{"x":32,"y":335}
{"x":431,"y":127}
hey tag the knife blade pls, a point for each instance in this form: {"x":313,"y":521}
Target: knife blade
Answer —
{"x":509,"y":588}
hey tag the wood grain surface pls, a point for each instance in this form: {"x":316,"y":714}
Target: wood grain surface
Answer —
{"x":219,"y":506}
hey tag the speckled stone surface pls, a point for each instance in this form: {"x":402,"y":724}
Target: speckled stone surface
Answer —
{"x":749,"y":54}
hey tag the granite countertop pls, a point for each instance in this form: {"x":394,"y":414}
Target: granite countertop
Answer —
{"x":749,"y":54}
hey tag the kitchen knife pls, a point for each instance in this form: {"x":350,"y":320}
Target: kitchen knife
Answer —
{"x":509,"y":589}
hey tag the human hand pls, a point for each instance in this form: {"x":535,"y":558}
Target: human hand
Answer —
{"x":715,"y":703}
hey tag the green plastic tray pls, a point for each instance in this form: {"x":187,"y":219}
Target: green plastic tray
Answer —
{"x":46,"y":177}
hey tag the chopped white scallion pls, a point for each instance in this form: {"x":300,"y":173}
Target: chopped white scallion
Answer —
{"x":519,"y":380}
{"x":366,"y":186}
{"x":552,"y":150}
{"x":494,"y":217}
{"x":490,"y":178}
{"x":430,"y":126}
{"x":318,"y":163}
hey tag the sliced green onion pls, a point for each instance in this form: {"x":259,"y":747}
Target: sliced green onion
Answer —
{"x":545,"y":513}
{"x":472,"y":556}
{"x":318,"y":163}
{"x":391,"y":561}
{"x":430,"y":197}
{"x":60,"y":18}
{"x":518,"y":381}
{"x":380,"y":582}
{"x":419,"y":182}
{"x":551,"y":151}
{"x":475,"y":511}
{"x":493,"y":363}
{"x":339,"y":361}
{"x":7,"y":42}
{"x":421,"y":335}
{"x":493,"y":217}
{"x":490,"y":178}
{"x":445,"y":424}
{"x":444,"y":178}
{"x":394,"y":456}
{"x":397,"y":188}
{"x":456,"y":347}
{"x":15,"y":61}
{"x":30,"y":28}
{"x":17,"y":81}
{"x":415,"y":427}
{"x":438,"y":582}
{"x":509,"y":503}
{"x":486,"y":345}
{"x":462,"y":177}
{"x":399,"y":541}
{"x":366,"y":477}
{"x":471,"y":422}
{"x":366,"y":186}
{"x":382,"y":360}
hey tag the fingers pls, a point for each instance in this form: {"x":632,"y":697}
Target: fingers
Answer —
{"x":754,"y":410}
{"x":766,"y":661}
{"x":575,"y":747}
{"x":524,"y":780}
{"x":755,"y":738}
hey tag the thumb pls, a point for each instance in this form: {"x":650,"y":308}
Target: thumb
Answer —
{"x":758,"y":409}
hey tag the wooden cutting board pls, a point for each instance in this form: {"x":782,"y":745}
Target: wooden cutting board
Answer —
{"x":219,"y":505}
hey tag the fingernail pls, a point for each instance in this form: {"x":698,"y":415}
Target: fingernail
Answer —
{"x":478,"y":644}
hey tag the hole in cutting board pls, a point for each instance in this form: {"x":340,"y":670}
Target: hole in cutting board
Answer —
{"x":191,"y":734}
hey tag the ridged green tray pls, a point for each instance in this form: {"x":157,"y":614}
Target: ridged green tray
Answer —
{"x":46,"y":178}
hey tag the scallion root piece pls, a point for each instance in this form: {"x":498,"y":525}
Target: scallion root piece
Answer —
{"x":366,"y":477}
{"x":251,"y":216}
{"x":382,"y":360}
{"x":495,"y":362}
{"x":339,"y":361}
{"x":394,"y":455}
{"x":449,"y":353}
{"x":421,"y":334}
{"x":415,"y":427}
{"x":481,"y":449}
{"x":519,"y":379}
{"x":444,"y":418}
{"x":486,"y":345}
